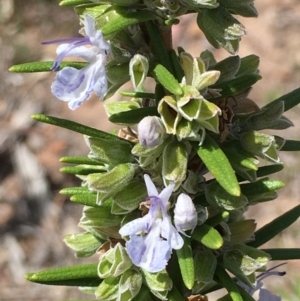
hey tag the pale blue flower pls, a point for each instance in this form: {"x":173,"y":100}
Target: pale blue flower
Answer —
{"x":264,"y":294}
{"x":73,"y":85}
{"x":153,"y":236}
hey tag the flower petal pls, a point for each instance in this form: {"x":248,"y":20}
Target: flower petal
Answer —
{"x":89,"y":26}
{"x":135,"y":226}
{"x":95,"y":36}
{"x":136,"y":248}
{"x":74,"y":86}
{"x":152,"y":191}
{"x":166,"y":193}
{"x":169,"y":232}
{"x":88,"y":54}
{"x":100,"y":84}
{"x":157,"y":251}
{"x":265,"y":295}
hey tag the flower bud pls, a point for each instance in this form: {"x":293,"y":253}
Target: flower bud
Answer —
{"x":138,"y":71}
{"x":114,"y":262}
{"x":150,"y":131}
{"x":185,"y":214}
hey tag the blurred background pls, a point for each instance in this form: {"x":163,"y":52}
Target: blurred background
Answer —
{"x":34,"y":217}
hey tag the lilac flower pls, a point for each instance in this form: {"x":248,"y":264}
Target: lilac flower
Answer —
{"x":153,"y":236}
{"x":73,"y":85}
{"x":264,"y":294}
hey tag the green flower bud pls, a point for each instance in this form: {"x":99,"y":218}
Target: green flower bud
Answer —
{"x":108,"y":289}
{"x":243,"y":261}
{"x":195,"y":72}
{"x":261,"y":145}
{"x":129,"y":285}
{"x":175,"y":163}
{"x":159,"y":283}
{"x":192,"y":107}
{"x":114,"y":262}
{"x":138,"y":70}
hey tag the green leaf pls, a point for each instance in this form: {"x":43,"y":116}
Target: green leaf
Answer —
{"x":118,"y":74}
{"x":174,"y":295}
{"x":75,"y":190}
{"x":109,"y":151}
{"x":74,"y":126}
{"x":85,"y":199}
{"x":78,"y":275}
{"x":241,"y":230}
{"x":133,"y":116}
{"x":167,"y":79}
{"x":291,"y":145}
{"x":217,"y":219}
{"x":99,"y":217}
{"x":236,"y":85}
{"x":273,"y":228}
{"x":82,"y":169}
{"x":116,"y":107}
{"x":158,"y":46}
{"x":249,"y":65}
{"x":218,"y":164}
{"x":84,"y":244}
{"x":220,"y":28}
{"x":79,"y":160}
{"x":92,"y":9}
{"x":283,"y":253}
{"x":176,"y":65}
{"x":186,"y":263}
{"x":243,"y":8}
{"x":117,"y":2}
{"x":131,"y":196}
{"x":205,"y":265}
{"x":112,"y":181}
{"x":290,"y":100}
{"x":245,"y":295}
{"x":269,"y":169}
{"x":228,"y":68}
{"x":125,"y":19}
{"x":208,"y":236}
{"x":138,"y":94}
{"x":218,"y":196}
{"x":229,"y":284}
{"x":43,"y":66}
{"x":261,"y":186}
{"x":73,"y":2}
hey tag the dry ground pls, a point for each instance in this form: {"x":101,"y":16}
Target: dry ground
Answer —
{"x":34,"y":218}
